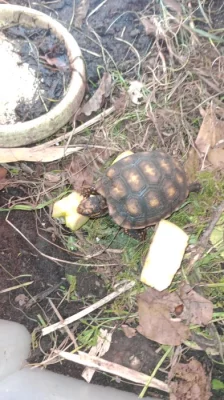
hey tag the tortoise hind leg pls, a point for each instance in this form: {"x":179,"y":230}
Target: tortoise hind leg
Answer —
{"x":137,"y":234}
{"x":194,"y":187}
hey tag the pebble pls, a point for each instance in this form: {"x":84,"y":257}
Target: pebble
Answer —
{"x":135,"y":32}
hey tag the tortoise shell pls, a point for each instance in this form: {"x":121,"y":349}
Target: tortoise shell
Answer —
{"x":143,"y":188}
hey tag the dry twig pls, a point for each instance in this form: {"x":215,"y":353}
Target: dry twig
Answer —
{"x":203,"y":242}
{"x":58,"y":325}
{"x":113,"y":368}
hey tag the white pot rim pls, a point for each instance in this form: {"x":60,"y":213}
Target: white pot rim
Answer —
{"x":24,"y":133}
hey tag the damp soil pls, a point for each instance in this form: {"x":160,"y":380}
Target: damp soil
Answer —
{"x":26,"y":258}
{"x":38,"y":257}
{"x":106,"y":43}
{"x":117,"y":27}
{"x":47,"y":57}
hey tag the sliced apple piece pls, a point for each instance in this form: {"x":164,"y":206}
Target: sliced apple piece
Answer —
{"x":122,"y":155}
{"x":67,"y":208}
{"x":164,"y":256}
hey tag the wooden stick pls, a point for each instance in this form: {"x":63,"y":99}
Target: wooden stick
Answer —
{"x":112,"y":368}
{"x":81,"y":128}
{"x":102,"y":346}
{"x":93,"y":307}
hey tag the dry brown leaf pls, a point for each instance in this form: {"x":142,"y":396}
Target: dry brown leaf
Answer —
{"x":174,"y":5}
{"x":128,"y":331}
{"x":150,"y":27}
{"x":3,"y":173}
{"x":192,"y":165}
{"x":80,"y":173}
{"x":31,"y":154}
{"x":3,"y":181}
{"x":157,"y":311}
{"x":53,"y":178}
{"x":21,"y":299}
{"x":81,"y":13}
{"x":121,"y":103}
{"x":197,"y":310}
{"x":211,"y":131}
{"x":82,"y":169}
{"x":156,"y":322}
{"x":216,"y":158}
{"x":192,"y":384}
{"x":98,"y":99}
{"x":56,"y":61}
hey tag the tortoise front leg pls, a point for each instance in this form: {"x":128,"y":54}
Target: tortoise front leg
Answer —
{"x":194,"y":187}
{"x":137,"y":234}
{"x":88,"y":190}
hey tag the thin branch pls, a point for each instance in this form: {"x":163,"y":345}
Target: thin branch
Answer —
{"x":203,"y":242}
{"x":93,"y":307}
{"x":113,"y":368}
{"x":70,"y":334}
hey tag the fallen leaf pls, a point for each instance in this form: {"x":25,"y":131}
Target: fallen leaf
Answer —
{"x":156,"y":322}
{"x":128,"y":331}
{"x":81,"y":12}
{"x":84,"y":166}
{"x":52,"y":177}
{"x":21,"y":299}
{"x":197,"y":310}
{"x":98,"y":99}
{"x":217,"y":384}
{"x":192,"y":165}
{"x":31,"y":154}
{"x":3,"y":181}
{"x":192,"y":384}
{"x":216,"y":157}
{"x":154,"y":26}
{"x":174,"y":5}
{"x":150,"y":27}
{"x":80,"y":173}
{"x":217,"y":236}
{"x":157,"y":310}
{"x":120,"y":104}
{"x":211,"y":131}
{"x":135,"y":92}
{"x":3,"y":173}
{"x":58,"y":62}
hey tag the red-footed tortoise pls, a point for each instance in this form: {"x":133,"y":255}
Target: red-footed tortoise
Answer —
{"x":138,"y":191}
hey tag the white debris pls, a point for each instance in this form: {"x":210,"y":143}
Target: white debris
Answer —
{"x":17,"y":81}
{"x":135,"y":92}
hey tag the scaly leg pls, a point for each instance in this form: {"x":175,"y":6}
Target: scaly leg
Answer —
{"x":138,"y":234}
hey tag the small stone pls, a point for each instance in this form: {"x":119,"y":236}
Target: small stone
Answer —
{"x":135,"y":32}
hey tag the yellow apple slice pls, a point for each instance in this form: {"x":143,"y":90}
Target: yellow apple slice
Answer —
{"x":164,"y":256}
{"x":122,"y":155}
{"x":67,"y":208}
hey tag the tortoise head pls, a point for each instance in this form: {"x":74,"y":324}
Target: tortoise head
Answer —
{"x":93,"y":207}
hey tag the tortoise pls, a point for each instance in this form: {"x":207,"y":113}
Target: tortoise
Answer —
{"x":138,"y":191}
